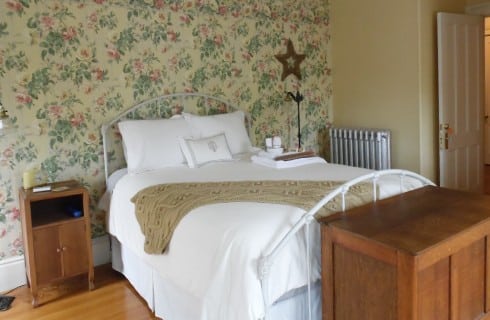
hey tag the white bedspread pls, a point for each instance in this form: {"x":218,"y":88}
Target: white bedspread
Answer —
{"x":214,"y":251}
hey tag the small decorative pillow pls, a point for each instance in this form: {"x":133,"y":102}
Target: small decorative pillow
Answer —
{"x":231,"y":124}
{"x":153,"y":144}
{"x":198,"y":151}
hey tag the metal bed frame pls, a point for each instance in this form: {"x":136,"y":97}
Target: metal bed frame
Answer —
{"x":267,"y":259}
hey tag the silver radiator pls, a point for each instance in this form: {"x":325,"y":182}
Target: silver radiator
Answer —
{"x":365,"y":148}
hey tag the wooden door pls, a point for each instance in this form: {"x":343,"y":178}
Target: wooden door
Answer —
{"x":74,"y":248}
{"x":47,"y":254}
{"x":461,"y":97}
{"x":487,"y":90}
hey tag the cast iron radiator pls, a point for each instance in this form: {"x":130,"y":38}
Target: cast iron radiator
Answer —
{"x":359,"y":147}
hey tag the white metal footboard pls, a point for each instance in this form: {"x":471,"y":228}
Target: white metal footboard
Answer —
{"x":268,"y":258}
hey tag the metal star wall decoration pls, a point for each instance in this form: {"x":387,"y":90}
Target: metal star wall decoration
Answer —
{"x":290,"y":62}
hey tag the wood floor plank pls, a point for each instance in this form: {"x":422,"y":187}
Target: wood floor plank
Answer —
{"x":113,"y":299}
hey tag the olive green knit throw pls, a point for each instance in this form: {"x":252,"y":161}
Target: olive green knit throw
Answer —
{"x":159,"y":208}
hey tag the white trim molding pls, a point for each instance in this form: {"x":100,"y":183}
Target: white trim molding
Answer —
{"x":480,"y":8}
{"x":101,"y":250}
{"x":13,"y":271}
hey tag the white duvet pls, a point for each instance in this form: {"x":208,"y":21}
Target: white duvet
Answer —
{"x":215,"y":248}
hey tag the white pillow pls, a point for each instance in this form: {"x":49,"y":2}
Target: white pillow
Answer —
{"x":153,"y":144}
{"x":231,"y":124}
{"x":198,"y":151}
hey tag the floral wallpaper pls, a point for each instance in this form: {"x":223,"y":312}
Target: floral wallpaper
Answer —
{"x":67,"y":67}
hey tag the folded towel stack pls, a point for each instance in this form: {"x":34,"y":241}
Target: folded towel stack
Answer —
{"x":287,"y":160}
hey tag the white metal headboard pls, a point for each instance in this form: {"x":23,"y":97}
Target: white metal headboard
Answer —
{"x":161,"y":107}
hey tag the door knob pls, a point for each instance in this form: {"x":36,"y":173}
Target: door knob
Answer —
{"x":444,"y":132}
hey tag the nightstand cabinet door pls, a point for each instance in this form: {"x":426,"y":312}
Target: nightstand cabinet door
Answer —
{"x":73,"y":251}
{"x":46,"y":254}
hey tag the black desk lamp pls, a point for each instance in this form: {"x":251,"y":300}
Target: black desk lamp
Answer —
{"x":298,"y":98}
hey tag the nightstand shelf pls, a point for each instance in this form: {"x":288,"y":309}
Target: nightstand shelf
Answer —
{"x":57,"y":243}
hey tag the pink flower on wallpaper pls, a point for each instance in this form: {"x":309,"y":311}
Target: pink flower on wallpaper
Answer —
{"x":93,"y":18}
{"x":155,"y":75}
{"x":172,"y":35}
{"x":261,"y":66}
{"x":69,"y":34}
{"x":138,"y":65}
{"x":85,"y":54}
{"x":235,"y":13}
{"x":99,"y":1}
{"x":47,"y":22}
{"x":55,"y":111}
{"x":228,"y":56}
{"x":236,"y":72}
{"x":158,"y":4}
{"x":174,"y":7}
{"x":204,"y":30}
{"x":172,"y":62}
{"x":223,"y":10}
{"x":7,"y":154}
{"x":23,"y":98}
{"x":3,"y":197}
{"x":14,"y":5}
{"x":92,"y":138}
{"x":3,"y":232}
{"x":247,"y":56}
{"x":113,"y":53}
{"x":177,"y":110}
{"x":218,"y":40}
{"x":77,"y":119}
{"x":185,"y":19}
{"x":99,"y":74}
{"x":17,"y":243}
{"x":15,"y":214}
{"x":273,"y":74}
{"x":222,"y":108}
{"x":101,"y":101}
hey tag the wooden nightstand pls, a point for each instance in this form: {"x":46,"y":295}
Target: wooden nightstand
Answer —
{"x":421,"y":255}
{"x":56,"y":231}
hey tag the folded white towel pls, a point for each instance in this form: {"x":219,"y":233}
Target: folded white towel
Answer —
{"x":267,"y":155}
{"x":282,"y":164}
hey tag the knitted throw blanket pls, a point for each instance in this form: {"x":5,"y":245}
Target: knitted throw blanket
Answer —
{"x":159,"y":208}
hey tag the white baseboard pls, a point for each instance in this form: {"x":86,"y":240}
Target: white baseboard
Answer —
{"x":13,"y":272}
{"x":101,"y":250}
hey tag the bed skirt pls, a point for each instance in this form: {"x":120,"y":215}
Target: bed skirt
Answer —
{"x":169,"y":302}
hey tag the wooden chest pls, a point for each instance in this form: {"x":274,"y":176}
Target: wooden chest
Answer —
{"x":420,"y":255}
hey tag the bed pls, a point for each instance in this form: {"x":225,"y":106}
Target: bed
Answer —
{"x":242,"y":257}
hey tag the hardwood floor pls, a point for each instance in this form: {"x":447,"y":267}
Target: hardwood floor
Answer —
{"x":113,"y":298}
